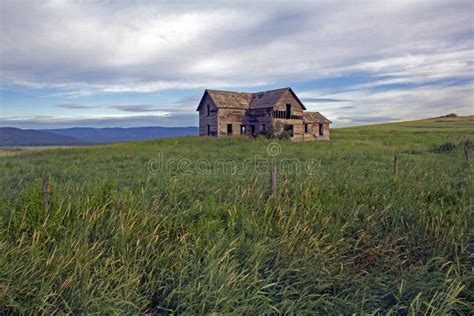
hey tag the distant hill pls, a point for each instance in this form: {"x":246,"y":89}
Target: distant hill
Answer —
{"x":82,"y":136}
{"x":116,"y":134}
{"x":446,"y":122}
{"x":10,"y":136}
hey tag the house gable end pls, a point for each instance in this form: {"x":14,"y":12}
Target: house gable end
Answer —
{"x":288,"y":97}
{"x":296,"y":98}
{"x":205,"y":96}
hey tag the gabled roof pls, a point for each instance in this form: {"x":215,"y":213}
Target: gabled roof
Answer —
{"x":246,"y":100}
{"x":228,"y":99}
{"x":266,"y":99}
{"x":314,"y":117}
{"x":270,"y":98}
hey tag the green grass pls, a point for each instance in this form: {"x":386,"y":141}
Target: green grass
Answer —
{"x":348,"y":237}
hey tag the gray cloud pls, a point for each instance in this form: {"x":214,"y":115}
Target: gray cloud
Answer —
{"x":398,"y":104}
{"x":362,"y":120}
{"x":325,"y":100}
{"x":80,"y":49}
{"x":349,"y":107}
{"x":145,"y":46}
{"x":135,"y":107}
{"x":72,"y":106}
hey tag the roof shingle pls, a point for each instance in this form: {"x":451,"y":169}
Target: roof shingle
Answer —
{"x":266,"y":99}
{"x":314,"y":117}
{"x":229,"y":99}
{"x":246,"y":100}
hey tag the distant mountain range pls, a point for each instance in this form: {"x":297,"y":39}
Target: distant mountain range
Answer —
{"x":10,"y":136}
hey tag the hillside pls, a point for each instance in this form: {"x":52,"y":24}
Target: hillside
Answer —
{"x":188,"y":225}
{"x":81,"y":136}
{"x":116,"y":134}
{"x":10,"y":136}
{"x":444,"y":123}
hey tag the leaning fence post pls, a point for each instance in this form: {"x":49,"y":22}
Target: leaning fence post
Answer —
{"x":396,"y":162}
{"x":466,"y":150}
{"x":273,"y":179}
{"x":47,"y":192}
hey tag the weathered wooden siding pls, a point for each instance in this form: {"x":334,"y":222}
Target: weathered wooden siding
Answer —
{"x":205,"y":120}
{"x":235,"y":117}
{"x":288,"y":97}
{"x":261,"y":113}
{"x":326,"y":132}
{"x":296,"y":109}
{"x":260,"y":118}
{"x":313,"y":132}
{"x":279,"y":126}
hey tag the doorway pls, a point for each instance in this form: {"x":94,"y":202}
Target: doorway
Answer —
{"x":252,"y":129}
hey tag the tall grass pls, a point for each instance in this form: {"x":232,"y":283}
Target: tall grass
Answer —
{"x":349,"y":238}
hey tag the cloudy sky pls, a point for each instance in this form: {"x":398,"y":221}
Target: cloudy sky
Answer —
{"x":142,"y":63}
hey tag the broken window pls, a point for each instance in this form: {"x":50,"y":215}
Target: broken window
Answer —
{"x":321,"y":129}
{"x":229,"y":129}
{"x":306,"y":128}
{"x":242,"y":129}
{"x":289,"y":129}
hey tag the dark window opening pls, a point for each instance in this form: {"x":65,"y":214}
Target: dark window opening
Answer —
{"x":289,"y":129}
{"x":264,"y":127}
{"x":306,"y":128}
{"x":288,"y":110}
{"x":208,"y":107}
{"x":242,"y":129}
{"x":208,"y":130}
{"x":321,"y":129}
{"x":252,"y":128}
{"x":229,"y":129}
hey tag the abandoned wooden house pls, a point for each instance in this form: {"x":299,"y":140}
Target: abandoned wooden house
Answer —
{"x":227,"y":113}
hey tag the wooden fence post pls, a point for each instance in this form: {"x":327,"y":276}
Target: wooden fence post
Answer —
{"x":396,"y":163}
{"x":466,"y":150}
{"x":47,"y":192}
{"x":273,"y":179}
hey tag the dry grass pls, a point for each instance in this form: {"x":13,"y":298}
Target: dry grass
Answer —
{"x":351,"y":238}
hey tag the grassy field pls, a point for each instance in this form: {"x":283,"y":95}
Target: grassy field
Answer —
{"x":189,"y":225}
